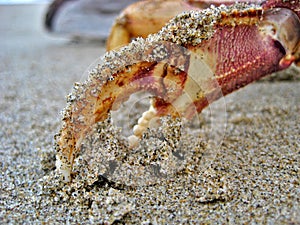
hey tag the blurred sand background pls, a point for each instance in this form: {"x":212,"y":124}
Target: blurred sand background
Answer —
{"x":255,"y":178}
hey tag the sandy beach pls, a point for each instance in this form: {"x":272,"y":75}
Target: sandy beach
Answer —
{"x":254,"y":177}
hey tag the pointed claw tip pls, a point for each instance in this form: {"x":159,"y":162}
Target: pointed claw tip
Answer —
{"x":286,"y":61}
{"x":63,"y":170}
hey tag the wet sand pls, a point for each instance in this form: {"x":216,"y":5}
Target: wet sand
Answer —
{"x":254,"y":178}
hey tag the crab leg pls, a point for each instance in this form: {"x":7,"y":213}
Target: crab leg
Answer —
{"x":239,"y":43}
{"x":134,"y":22}
{"x":147,"y":17}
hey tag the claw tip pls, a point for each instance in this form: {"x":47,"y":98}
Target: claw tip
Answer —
{"x":286,"y":61}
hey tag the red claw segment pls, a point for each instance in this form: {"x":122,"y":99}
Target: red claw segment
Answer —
{"x":240,"y":44}
{"x":256,"y":51}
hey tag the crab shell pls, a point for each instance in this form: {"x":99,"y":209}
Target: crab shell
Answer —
{"x":240,"y":44}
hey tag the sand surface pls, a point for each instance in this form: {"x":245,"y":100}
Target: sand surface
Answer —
{"x":254,"y":178}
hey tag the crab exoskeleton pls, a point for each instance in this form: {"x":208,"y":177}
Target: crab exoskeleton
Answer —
{"x":239,"y":42}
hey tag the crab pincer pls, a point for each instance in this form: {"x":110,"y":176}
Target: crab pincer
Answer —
{"x":195,"y":59}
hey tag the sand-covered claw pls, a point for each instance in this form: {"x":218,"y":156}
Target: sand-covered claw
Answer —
{"x":195,"y":59}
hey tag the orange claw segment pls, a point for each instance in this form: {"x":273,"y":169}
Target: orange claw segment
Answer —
{"x":287,"y":61}
{"x":143,"y":18}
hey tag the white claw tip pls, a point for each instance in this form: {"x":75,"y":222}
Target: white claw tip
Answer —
{"x":64,"y":171}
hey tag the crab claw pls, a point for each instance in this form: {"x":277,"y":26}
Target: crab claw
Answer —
{"x":195,"y":59}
